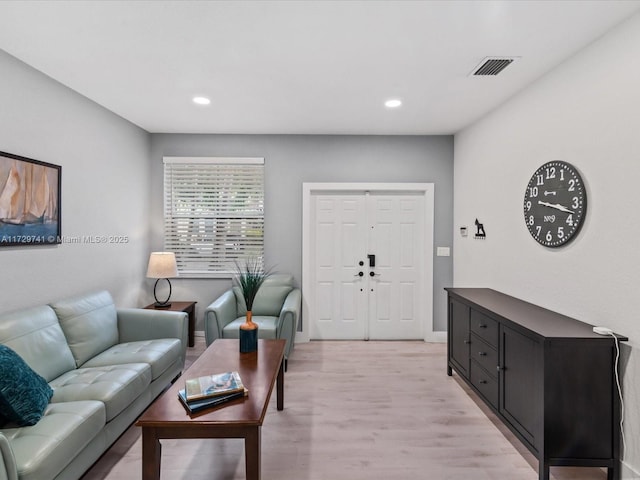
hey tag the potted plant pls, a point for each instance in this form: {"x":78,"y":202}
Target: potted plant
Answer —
{"x":250,"y":276}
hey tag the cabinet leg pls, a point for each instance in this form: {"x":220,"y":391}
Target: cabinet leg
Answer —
{"x":613,"y":473}
{"x":543,"y":473}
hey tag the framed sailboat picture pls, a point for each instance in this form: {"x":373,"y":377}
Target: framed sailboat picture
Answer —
{"x":29,"y":201}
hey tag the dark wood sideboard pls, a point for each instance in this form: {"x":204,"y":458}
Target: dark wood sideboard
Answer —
{"x":547,"y":376}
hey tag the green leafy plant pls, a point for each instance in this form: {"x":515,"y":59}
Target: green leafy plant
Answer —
{"x":250,"y":276}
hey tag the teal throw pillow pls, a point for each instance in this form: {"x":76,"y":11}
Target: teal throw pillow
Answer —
{"x":24,"y":395}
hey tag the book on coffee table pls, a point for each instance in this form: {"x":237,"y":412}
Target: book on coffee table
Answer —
{"x":211,"y":386}
{"x":198,"y":405}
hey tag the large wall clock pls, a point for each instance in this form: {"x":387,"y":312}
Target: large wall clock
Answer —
{"x":555,"y":204}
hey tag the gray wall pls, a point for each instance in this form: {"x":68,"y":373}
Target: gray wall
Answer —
{"x":291,"y":160}
{"x":105,"y":191}
{"x":585,"y":112}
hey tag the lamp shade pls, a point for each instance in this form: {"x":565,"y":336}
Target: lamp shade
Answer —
{"x":162,"y":265}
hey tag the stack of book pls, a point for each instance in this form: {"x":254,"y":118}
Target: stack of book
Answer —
{"x":211,"y":390}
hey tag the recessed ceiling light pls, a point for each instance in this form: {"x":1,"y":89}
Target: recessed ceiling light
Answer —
{"x":393,"y":103}
{"x":201,"y":100}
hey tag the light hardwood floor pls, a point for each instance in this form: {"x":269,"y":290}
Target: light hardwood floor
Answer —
{"x":356,"y":411}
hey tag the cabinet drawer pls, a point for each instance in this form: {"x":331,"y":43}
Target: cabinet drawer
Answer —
{"x":485,"y":355}
{"x":485,"y":327}
{"x":486,"y":384}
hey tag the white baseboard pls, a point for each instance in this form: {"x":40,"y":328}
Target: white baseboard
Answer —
{"x":436,"y":337}
{"x":629,"y":473}
{"x":431,"y":337}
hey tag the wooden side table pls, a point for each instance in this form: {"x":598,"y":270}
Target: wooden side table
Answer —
{"x":189,"y":308}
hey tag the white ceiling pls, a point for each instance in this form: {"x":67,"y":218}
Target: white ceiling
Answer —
{"x":317,"y":67}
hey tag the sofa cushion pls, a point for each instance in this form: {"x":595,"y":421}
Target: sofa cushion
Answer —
{"x":24,"y":394}
{"x":270,"y":296}
{"x":89,"y":323}
{"x":116,"y":386}
{"x":266,"y":327}
{"x":35,"y":335}
{"x":160,"y":354}
{"x":45,"y":449}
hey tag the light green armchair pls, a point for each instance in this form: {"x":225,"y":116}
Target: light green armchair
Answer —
{"x":276,"y":310}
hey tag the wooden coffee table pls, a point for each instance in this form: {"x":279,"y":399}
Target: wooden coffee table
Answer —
{"x":242,"y":418}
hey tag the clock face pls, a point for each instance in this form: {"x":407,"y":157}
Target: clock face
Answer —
{"x":555,"y":204}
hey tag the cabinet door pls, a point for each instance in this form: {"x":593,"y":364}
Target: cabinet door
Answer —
{"x":459,"y":336}
{"x":520,"y":385}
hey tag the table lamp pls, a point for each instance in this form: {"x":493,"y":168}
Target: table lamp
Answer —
{"x":162,"y":265}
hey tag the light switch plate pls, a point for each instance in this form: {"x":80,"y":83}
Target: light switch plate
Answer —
{"x":443,"y":251}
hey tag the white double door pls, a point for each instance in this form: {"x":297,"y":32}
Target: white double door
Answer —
{"x":368,"y":265}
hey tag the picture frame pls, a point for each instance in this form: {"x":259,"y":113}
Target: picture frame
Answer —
{"x":30,"y":201}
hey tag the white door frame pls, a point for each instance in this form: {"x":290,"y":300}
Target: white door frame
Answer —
{"x":309,"y":189}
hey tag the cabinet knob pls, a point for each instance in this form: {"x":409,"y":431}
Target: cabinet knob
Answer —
{"x":499,"y":368}
{"x":482,"y":325}
{"x":483,"y":381}
{"x":482,"y":354}
{"x":466,"y":342}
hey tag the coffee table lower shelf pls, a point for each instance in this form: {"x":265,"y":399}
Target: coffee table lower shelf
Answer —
{"x":168,"y":419}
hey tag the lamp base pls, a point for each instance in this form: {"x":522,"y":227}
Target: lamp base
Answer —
{"x":158,"y":303}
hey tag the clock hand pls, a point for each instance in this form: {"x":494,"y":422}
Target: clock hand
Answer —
{"x":557,"y":206}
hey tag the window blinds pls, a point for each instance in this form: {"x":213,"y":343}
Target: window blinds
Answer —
{"x":213,"y":213}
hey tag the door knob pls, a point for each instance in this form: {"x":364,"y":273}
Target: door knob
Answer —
{"x":359,"y":274}
{"x":372,"y":274}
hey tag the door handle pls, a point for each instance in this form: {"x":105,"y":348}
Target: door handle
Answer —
{"x":372,"y":260}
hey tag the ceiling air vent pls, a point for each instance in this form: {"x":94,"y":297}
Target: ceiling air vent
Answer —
{"x":492,"y":66}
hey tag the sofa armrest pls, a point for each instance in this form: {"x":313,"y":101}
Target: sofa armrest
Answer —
{"x":137,"y":324}
{"x":288,"y":321}
{"x":8,"y":468}
{"x":218,"y":315}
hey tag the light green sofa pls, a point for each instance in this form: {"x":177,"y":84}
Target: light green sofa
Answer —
{"x":105,"y":366}
{"x":276,"y":310}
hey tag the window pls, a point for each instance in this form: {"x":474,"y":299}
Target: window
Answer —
{"x":213,"y":213}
